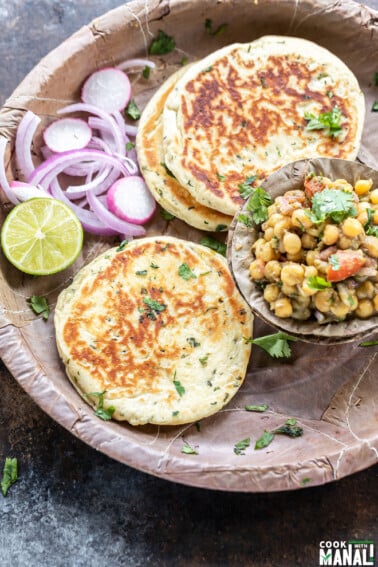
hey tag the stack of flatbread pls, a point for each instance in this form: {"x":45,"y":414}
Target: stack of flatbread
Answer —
{"x":239,"y":114}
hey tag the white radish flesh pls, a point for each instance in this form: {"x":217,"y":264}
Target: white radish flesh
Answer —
{"x":67,"y":134}
{"x":108,"y":89}
{"x":130,"y":199}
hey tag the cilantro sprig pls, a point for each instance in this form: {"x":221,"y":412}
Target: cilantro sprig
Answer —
{"x":39,"y":305}
{"x":276,"y":344}
{"x":132,"y":110}
{"x":162,"y":44}
{"x":333,"y":204}
{"x":10,"y":474}
{"x":317,"y":282}
{"x":241,"y":446}
{"x":214,"y":244}
{"x":217,"y":31}
{"x":258,"y":204}
{"x":289,"y":428}
{"x":246,"y":188}
{"x":101,"y":412}
{"x":329,"y":121}
{"x":185,"y":272}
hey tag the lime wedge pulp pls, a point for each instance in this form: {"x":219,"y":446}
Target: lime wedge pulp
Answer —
{"x":41,"y":236}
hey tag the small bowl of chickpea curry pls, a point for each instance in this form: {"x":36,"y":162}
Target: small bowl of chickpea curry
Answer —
{"x":304,"y":250}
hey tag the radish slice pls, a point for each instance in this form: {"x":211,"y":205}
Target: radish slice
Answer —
{"x":25,"y":191}
{"x":108,"y":89}
{"x":130,"y":199}
{"x":111,"y":220}
{"x":67,"y":134}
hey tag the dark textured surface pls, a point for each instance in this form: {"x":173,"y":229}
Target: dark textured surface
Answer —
{"x":74,"y":506}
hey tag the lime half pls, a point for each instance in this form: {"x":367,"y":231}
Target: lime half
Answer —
{"x":41,"y":236}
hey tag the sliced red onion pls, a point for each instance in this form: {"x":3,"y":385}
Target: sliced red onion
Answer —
{"x":25,"y":191}
{"x":54,"y":165}
{"x":111,"y":220}
{"x":108,"y":89}
{"x":10,"y":195}
{"x":88,"y":219}
{"x":131,"y":130}
{"x":24,"y":137}
{"x":91,"y":109}
{"x":106,"y":133}
{"x":135,"y":63}
{"x":67,"y":134}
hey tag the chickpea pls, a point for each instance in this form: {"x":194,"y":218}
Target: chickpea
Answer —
{"x":268,"y":233}
{"x":271,"y":292}
{"x":292,"y":243}
{"x":352,"y":227}
{"x":311,"y":257}
{"x":374,"y":197}
{"x":258,"y":247}
{"x":341,"y":184}
{"x":345,"y":242}
{"x":272,"y":271}
{"x":274,"y":219}
{"x":348,"y":296}
{"x":365,"y":290}
{"x":375,"y":217}
{"x":282,"y":307}
{"x":362,"y":212}
{"x":256,"y":269}
{"x":323,"y":300}
{"x":375,"y":302}
{"x":267,"y":252}
{"x":308,"y":242}
{"x":301,"y":309}
{"x":289,"y":290}
{"x":321,"y":266}
{"x":292,"y":274}
{"x":330,"y":234}
{"x":339,"y":309}
{"x":310,"y":271}
{"x":370,"y":244}
{"x":363,"y":186}
{"x":300,"y":219}
{"x":299,"y":257}
{"x":365,"y":308}
{"x":282,"y":226}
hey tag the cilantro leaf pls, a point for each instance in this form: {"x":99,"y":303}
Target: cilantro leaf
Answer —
{"x":214,"y":244}
{"x":258,"y":204}
{"x":260,"y":409}
{"x":188,"y":450}
{"x":10,"y":474}
{"x":265,"y":440}
{"x":39,"y":305}
{"x":154,"y":305}
{"x":317,"y":282}
{"x":179,"y":387}
{"x":289,"y":428}
{"x":132,"y":110}
{"x":185,"y":272}
{"x":241,"y":446}
{"x":369,"y":227}
{"x":335,"y":204}
{"x":130,"y":146}
{"x":276,"y":344}
{"x":330,"y":121}
{"x":122,"y":245}
{"x":146,"y":72}
{"x":166,"y":215}
{"x":368,"y":343}
{"x":245,"y":189}
{"x":245,"y":219}
{"x":209,"y":28}
{"x":374,"y":107}
{"x":101,"y":412}
{"x":162,"y":44}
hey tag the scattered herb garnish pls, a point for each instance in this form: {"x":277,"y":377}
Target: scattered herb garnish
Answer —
{"x":330,"y":121}
{"x":221,"y":227}
{"x":193,"y":342}
{"x":265,"y":440}
{"x":122,"y":245}
{"x":185,"y":272}
{"x":368,"y":343}
{"x":333,"y":204}
{"x":258,"y":204}
{"x":166,"y":215}
{"x":104,"y":413}
{"x":375,"y":80}
{"x":374,"y":108}
{"x":276,"y":345}
{"x":209,"y":28}
{"x":369,"y":227}
{"x":10,"y":474}
{"x":188,"y":450}
{"x":39,"y":305}
{"x":146,"y":72}
{"x":214,"y":244}
{"x":245,"y":189}
{"x":305,"y":480}
{"x":179,"y":387}
{"x":317,"y":282}
{"x":245,"y":219}
{"x":132,"y":110}
{"x":289,"y":428}
{"x":162,"y":44}
{"x":260,"y":409}
{"x":204,"y":360}
{"x":130,"y":146}
{"x":241,"y":446}
{"x":141,"y":272}
{"x":154,"y":305}
{"x":184,"y":61}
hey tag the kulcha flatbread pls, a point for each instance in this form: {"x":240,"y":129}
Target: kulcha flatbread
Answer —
{"x":159,"y":328}
{"x":240,"y":112}
{"x":167,"y":191}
